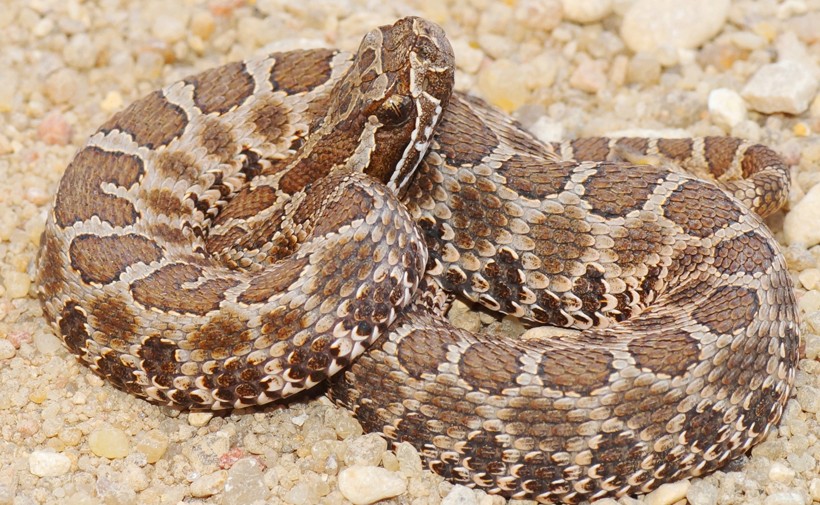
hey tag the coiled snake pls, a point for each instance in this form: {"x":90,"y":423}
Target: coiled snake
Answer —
{"x":249,"y":231}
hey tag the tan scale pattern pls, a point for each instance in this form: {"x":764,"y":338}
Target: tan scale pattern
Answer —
{"x":249,"y":231}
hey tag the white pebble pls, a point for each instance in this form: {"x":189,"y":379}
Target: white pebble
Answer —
{"x":363,"y":485}
{"x":7,"y":350}
{"x":365,"y":450}
{"x":208,"y":485}
{"x":16,"y":283}
{"x":726,"y":107}
{"x":649,"y":25}
{"x":810,"y":278}
{"x":779,"y":472}
{"x":785,"y":86}
{"x":586,"y":11}
{"x":800,"y":224}
{"x":809,"y":399}
{"x":48,"y":464}
{"x":786,"y":498}
{"x":460,"y":495}
{"x":702,"y":493}
{"x":109,"y":442}
{"x":814,"y":489}
{"x":589,"y":76}
{"x":245,"y":484}
{"x":668,"y":493}
{"x":199,"y":419}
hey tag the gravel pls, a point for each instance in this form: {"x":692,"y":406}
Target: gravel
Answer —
{"x":564,"y":68}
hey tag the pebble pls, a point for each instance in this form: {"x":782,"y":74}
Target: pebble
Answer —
{"x":7,"y":350}
{"x":779,"y":472}
{"x":726,"y":107}
{"x":814,"y":489}
{"x":667,"y":494}
{"x":648,"y":25}
{"x":586,"y":11}
{"x":589,"y":76}
{"x":785,"y":86}
{"x":702,"y":492}
{"x":16,"y":283}
{"x":48,"y":464}
{"x":109,"y":442}
{"x":809,"y":399}
{"x":199,"y":419}
{"x":245,"y":483}
{"x":209,"y":485}
{"x":791,"y":497}
{"x":54,"y":129}
{"x":364,"y":485}
{"x":810,"y":278}
{"x":800,"y":224}
{"x":460,"y":495}
{"x":643,"y":68}
{"x":365,"y":450}
{"x":503,"y":85}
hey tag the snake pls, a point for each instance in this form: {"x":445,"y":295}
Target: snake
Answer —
{"x":257,"y":228}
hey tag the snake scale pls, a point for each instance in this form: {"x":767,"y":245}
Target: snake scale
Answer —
{"x":249,"y":231}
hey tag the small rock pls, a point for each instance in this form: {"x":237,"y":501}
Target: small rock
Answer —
{"x":809,"y":399}
{"x":814,"y":489}
{"x":16,"y":283}
{"x":726,"y":107}
{"x":785,"y":86}
{"x":153,"y":445}
{"x":543,"y":15}
{"x":800,"y":224}
{"x":208,"y":485}
{"x":648,"y":25}
{"x":668,"y":494}
{"x":169,"y":28}
{"x":364,"y":485}
{"x":503,"y":85}
{"x":199,"y":419}
{"x":48,"y":464}
{"x":786,"y":498}
{"x":779,"y":472}
{"x":409,"y":459}
{"x":245,"y":483}
{"x":702,"y":493}
{"x":810,"y":278}
{"x":589,"y":76}
{"x":203,"y":24}
{"x":54,"y":129}
{"x":109,"y":442}
{"x":7,"y":350}
{"x":365,"y":450}
{"x":460,"y":495}
{"x":643,"y":68}
{"x":586,"y":11}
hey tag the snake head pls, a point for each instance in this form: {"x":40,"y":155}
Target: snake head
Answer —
{"x":392,"y":98}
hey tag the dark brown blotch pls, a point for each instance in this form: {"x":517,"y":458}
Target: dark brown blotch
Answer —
{"x":664,"y":350}
{"x":302,"y":70}
{"x":750,"y":253}
{"x":615,"y":190}
{"x":112,"y":316}
{"x":675,"y":149}
{"x":223,"y":331}
{"x":72,"y":323}
{"x":572,"y":370}
{"x":421,"y":351}
{"x":274,"y":281}
{"x":151,"y":121}
{"x":700,"y":208}
{"x":103,"y":259}
{"x":489,"y":367}
{"x":81,"y":196}
{"x":465,"y":139}
{"x":727,"y":310}
{"x":223,"y":88}
{"x":720,"y":153}
{"x":218,"y":139}
{"x":534,"y":177}
{"x":165,"y":289}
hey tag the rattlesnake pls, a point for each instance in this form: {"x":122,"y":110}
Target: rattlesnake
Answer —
{"x":249,"y":231}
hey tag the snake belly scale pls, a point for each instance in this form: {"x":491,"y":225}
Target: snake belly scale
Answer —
{"x":252,"y":230}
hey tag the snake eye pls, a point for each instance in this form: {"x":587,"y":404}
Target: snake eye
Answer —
{"x":395,"y":111}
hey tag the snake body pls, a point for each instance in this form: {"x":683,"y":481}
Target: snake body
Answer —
{"x":247,"y":232}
